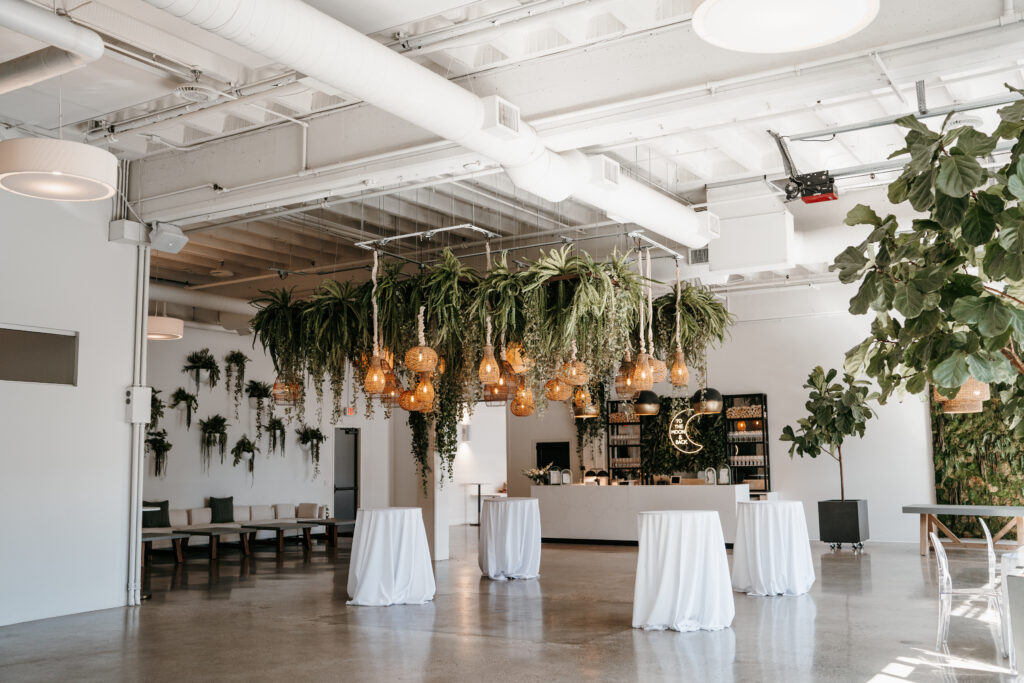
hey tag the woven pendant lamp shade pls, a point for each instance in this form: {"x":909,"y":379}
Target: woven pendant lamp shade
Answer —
{"x":581,"y":398}
{"x":425,"y":390}
{"x":407,"y":400}
{"x":495,"y":394}
{"x":392,"y":390}
{"x":523,"y":392}
{"x":962,"y":407}
{"x":490,"y":370}
{"x":659,"y":371}
{"x":587,"y":412}
{"x":972,"y":390}
{"x":680,"y":375}
{"x":643,"y":378}
{"x":517,"y":358}
{"x":285,"y":393}
{"x":557,"y":390}
{"x":522,"y":409}
{"x":624,"y":379}
{"x":376,"y":376}
{"x":387,"y":359}
{"x":575,"y":373}
{"x":421,"y":359}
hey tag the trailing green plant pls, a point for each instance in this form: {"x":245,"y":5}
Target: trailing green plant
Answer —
{"x":658,"y":454}
{"x":703,"y":322}
{"x":276,"y":435}
{"x":213,"y":433}
{"x":947,"y":294}
{"x":311,"y":438}
{"x":181,"y":397}
{"x":244,"y":449}
{"x":159,"y":446}
{"x":234,"y":375}
{"x":419,"y":424}
{"x":156,"y":409}
{"x":592,"y":429}
{"x":260,"y":392}
{"x":334,"y":330}
{"x":447,"y":415}
{"x":200,"y":360}
{"x":278,"y":327}
{"x":835,"y":413}
{"x":979,"y":460}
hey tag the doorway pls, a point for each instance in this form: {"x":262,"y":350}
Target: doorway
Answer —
{"x":346,"y":472}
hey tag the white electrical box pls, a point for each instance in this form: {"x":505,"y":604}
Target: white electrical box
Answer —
{"x":137,"y":404}
{"x":127,"y":232}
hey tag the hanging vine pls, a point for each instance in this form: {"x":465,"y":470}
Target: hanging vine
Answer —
{"x":420,"y":426}
{"x":159,"y":446}
{"x":213,"y":433}
{"x":276,"y":435}
{"x":260,"y":392}
{"x":188,"y":401}
{"x":234,"y":375}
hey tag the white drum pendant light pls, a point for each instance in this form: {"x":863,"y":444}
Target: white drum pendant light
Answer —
{"x":164,"y":328}
{"x":57,"y":169}
{"x":777,"y":26}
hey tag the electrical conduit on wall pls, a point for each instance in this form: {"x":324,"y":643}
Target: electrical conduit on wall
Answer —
{"x":292,"y":33}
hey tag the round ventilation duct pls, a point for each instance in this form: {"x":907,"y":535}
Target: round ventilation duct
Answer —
{"x":780,"y":25}
{"x":57,"y":169}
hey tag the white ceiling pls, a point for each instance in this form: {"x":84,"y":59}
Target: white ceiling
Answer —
{"x":623,"y":77}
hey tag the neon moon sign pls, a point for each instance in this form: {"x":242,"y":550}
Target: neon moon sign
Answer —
{"x":679,"y":433}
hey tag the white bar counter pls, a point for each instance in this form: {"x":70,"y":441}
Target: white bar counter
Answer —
{"x":609,"y":513}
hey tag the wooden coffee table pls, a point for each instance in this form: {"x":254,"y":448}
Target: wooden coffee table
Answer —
{"x":214,"y":533}
{"x":280,"y":528}
{"x":174,"y":537}
{"x":332,"y":525}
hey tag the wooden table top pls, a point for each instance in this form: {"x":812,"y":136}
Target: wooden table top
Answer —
{"x":966,"y":510}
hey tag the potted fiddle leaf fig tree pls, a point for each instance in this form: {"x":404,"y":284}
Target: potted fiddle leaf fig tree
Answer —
{"x":836,"y":410}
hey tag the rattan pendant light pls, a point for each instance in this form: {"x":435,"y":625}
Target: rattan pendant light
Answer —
{"x":624,"y":378}
{"x":643,"y":380}
{"x":969,"y":399}
{"x":425,"y":390}
{"x":522,"y":404}
{"x":490,"y":369}
{"x":376,"y":374}
{"x":517,"y":358}
{"x":574,"y":372}
{"x":659,"y":371}
{"x":421,"y":358}
{"x":392,"y":390}
{"x":581,"y":397}
{"x":557,"y":390}
{"x":680,"y":375}
{"x":407,"y":400}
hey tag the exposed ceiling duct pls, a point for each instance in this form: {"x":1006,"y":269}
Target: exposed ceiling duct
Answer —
{"x":71,"y":46}
{"x":214,"y":302}
{"x":292,"y":33}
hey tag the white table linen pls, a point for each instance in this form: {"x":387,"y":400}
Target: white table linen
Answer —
{"x":772,"y":554}
{"x":390,"y":562}
{"x":682,"y":574}
{"x":509,"y":545}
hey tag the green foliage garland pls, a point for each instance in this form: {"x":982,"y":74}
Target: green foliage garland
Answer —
{"x":213,"y":433}
{"x":159,"y":446}
{"x":835,"y":413}
{"x":181,"y":397}
{"x":234,"y":375}
{"x":979,"y":460}
{"x":198,"y":361}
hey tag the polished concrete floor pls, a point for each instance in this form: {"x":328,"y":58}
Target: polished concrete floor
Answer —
{"x":869,"y":617}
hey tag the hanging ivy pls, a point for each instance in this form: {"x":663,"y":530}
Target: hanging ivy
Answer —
{"x":420,"y":426}
{"x":200,"y":360}
{"x":190,"y":402}
{"x":213,"y":433}
{"x":156,"y":409}
{"x":592,"y":429}
{"x":311,"y":438}
{"x":234,"y":375}
{"x":244,"y":449}
{"x":261,"y":392}
{"x":159,"y":446}
{"x":276,"y":435}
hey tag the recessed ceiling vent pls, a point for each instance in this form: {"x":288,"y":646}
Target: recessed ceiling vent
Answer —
{"x":501,"y":117}
{"x":604,"y":171}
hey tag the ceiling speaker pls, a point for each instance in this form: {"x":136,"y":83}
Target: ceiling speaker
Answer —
{"x":167,"y":237}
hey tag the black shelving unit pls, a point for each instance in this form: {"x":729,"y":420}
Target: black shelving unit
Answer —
{"x":746,"y":441}
{"x":623,"y":443}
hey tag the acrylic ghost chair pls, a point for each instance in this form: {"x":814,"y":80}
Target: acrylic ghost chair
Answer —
{"x":947,"y":593}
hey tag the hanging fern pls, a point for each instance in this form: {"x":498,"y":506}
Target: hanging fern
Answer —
{"x":159,"y":446}
{"x":200,"y":360}
{"x":213,"y":433}
{"x":260,"y":392}
{"x":244,"y":449}
{"x":312,"y":437}
{"x":156,"y":409}
{"x":234,"y":375}
{"x":276,"y":435}
{"x":703,"y":322}
{"x":190,"y":402}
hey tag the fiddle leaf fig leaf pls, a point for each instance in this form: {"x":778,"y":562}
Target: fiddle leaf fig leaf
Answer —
{"x":974,"y":143}
{"x":978,"y":226}
{"x":862,"y":215}
{"x":953,"y":371}
{"x":849,"y":263}
{"x":990,"y":366}
{"x":958,"y":175}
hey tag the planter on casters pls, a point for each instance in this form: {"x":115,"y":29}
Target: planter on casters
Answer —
{"x":843,"y":521}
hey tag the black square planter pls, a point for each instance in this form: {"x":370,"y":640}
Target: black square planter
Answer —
{"x":843,"y":521}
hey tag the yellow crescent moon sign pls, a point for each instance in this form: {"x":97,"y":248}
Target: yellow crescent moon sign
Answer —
{"x":679,"y":433}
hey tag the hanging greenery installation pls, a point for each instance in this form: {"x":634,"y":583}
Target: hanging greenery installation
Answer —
{"x":199,"y":361}
{"x":234,"y":375}
{"x":159,"y":446}
{"x":213,"y":433}
{"x":276,"y":435}
{"x":188,"y":401}
{"x":311,"y":438}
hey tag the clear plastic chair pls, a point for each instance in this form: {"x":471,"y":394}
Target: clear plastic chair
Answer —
{"x":993,"y":576}
{"x":947,"y":592}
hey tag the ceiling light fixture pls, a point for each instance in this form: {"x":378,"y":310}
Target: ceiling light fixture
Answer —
{"x":164,"y":328}
{"x":782,"y":25}
{"x":60,"y":170}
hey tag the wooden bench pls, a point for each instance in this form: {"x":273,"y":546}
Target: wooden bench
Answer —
{"x":173,"y":537}
{"x":930,"y":522}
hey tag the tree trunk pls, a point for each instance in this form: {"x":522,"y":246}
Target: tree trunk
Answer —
{"x":842,"y":484}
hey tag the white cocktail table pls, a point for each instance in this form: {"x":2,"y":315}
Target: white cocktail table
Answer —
{"x":390,"y":562}
{"x":682,"y":574}
{"x":772,"y":554}
{"x":510,"y":538}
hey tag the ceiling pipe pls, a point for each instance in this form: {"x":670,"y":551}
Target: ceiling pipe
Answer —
{"x":214,"y":302}
{"x":292,"y":33}
{"x":71,"y":46}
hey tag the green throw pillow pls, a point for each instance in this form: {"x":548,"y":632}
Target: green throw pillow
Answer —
{"x":157,"y":518}
{"x":222,"y":510}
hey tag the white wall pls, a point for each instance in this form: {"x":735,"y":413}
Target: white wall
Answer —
{"x":64,"y":450}
{"x":481,"y":459}
{"x":524,"y":433}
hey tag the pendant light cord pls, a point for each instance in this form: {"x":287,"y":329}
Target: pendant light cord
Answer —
{"x":650,"y":308}
{"x":373,"y":298}
{"x":640,"y":267}
{"x":423,"y":339}
{"x":487,"y":247}
{"x":679,"y":335}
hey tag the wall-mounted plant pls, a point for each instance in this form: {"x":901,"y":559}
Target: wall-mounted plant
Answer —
{"x":158,"y":445}
{"x":186,"y":400}
{"x":234,"y":375}
{"x":276,"y":435}
{"x":213,"y":433}
{"x":259,"y":394}
{"x":244,"y":449}
{"x":311,"y":438}
{"x":201,"y":361}
{"x":156,"y":409}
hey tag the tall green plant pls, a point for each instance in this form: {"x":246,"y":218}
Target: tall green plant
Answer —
{"x":419,"y":424}
{"x":835,"y":413}
{"x":278,"y":327}
{"x":947,"y":294}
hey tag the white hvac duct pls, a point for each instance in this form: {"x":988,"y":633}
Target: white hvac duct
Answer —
{"x":72,"y":46}
{"x":292,"y":33}
{"x":213,"y":302}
